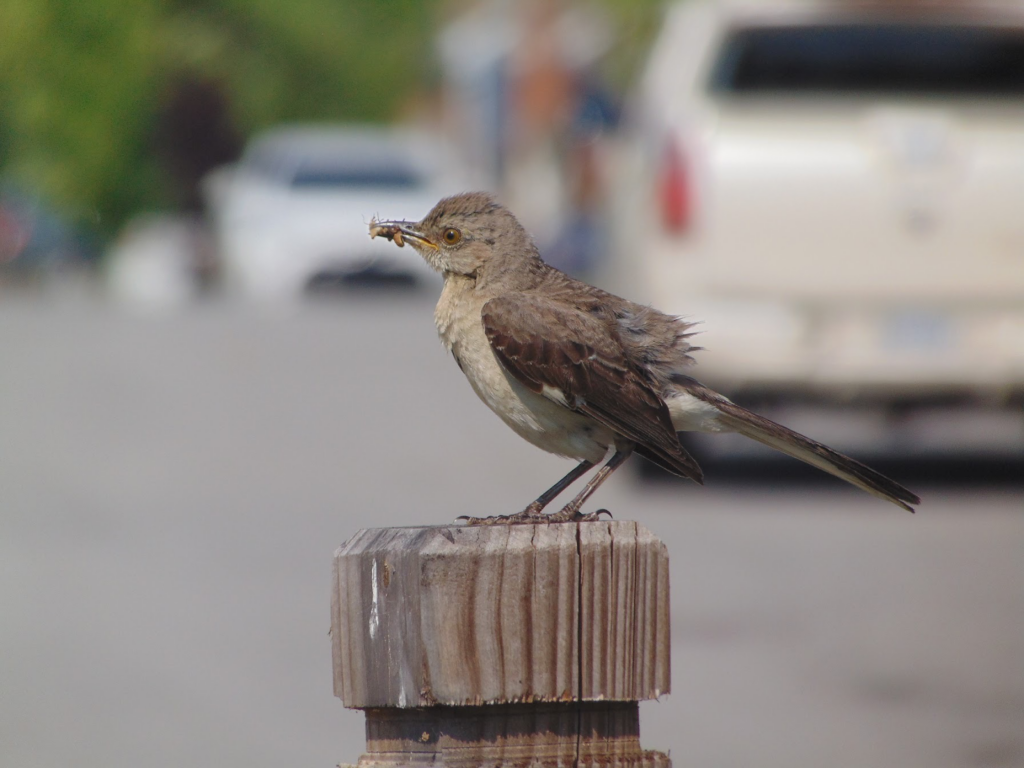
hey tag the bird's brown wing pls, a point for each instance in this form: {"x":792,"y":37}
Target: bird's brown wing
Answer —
{"x":572,"y":353}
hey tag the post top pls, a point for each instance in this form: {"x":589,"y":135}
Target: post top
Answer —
{"x":470,"y":615}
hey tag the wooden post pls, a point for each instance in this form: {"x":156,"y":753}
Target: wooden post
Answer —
{"x":502,"y":645}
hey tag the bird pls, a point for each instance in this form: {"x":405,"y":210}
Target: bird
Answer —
{"x":576,"y":370}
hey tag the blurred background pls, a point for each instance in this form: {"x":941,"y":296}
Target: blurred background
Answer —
{"x":206,"y":363}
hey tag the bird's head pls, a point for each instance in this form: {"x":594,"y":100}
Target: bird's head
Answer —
{"x":462,"y":234}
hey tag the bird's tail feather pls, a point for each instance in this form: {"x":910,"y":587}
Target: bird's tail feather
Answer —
{"x":798,"y":446}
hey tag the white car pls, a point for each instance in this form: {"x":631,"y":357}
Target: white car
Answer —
{"x":837,"y":192}
{"x":293,"y":213}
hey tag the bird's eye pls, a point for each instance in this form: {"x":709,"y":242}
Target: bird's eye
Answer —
{"x":452,"y":236}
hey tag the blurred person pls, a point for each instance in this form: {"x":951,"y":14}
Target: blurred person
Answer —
{"x":580,"y":243}
{"x":194,"y":133}
{"x":526,"y":105}
{"x":549,"y":173}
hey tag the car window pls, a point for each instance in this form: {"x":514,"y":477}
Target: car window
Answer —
{"x":317,"y":175}
{"x":863,"y":58}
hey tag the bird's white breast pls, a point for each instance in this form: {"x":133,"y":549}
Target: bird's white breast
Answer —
{"x":538,"y":419}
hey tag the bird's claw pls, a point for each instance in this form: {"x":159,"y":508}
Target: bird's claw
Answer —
{"x":570,"y":514}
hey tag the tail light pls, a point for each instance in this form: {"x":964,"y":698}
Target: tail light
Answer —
{"x":675,"y":194}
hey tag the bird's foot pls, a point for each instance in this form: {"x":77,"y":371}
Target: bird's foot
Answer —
{"x":571,"y":514}
{"x":526,"y":516}
{"x":533,"y":515}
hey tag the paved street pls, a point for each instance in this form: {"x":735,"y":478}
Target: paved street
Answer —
{"x":173,"y":486}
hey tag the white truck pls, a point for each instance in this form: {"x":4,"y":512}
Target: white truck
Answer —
{"x":837,"y":192}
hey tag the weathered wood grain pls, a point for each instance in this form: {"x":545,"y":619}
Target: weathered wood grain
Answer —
{"x":464,"y":616}
{"x":575,"y":734}
{"x":624,"y":622}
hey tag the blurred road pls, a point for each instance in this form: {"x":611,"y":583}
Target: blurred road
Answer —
{"x":172,"y":488}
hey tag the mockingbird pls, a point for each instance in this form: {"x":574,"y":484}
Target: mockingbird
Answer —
{"x":578,"y":371}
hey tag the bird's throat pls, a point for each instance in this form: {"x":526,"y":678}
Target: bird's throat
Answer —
{"x":458,"y":306}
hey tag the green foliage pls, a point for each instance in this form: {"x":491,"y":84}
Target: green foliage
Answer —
{"x":81,"y":83}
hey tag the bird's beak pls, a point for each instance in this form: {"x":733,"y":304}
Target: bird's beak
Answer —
{"x":399,"y":232}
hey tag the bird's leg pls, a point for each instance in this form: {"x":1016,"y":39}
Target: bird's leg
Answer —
{"x":571,"y":511}
{"x":549,"y":495}
{"x":533,"y":511}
